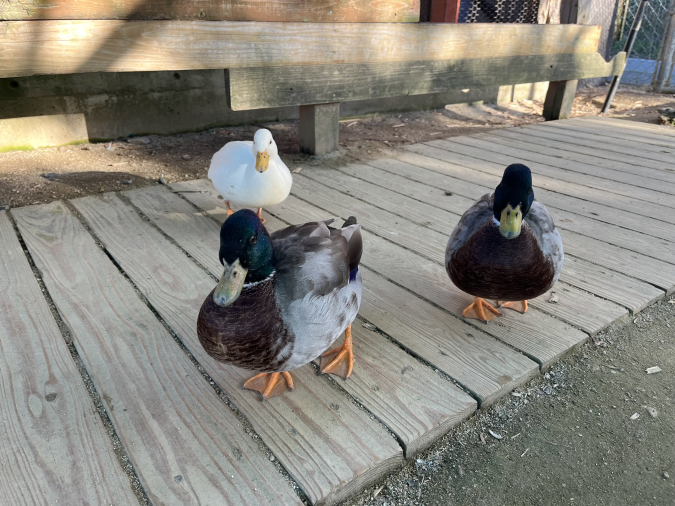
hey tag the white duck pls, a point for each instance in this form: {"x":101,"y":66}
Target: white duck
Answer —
{"x":251,"y":174}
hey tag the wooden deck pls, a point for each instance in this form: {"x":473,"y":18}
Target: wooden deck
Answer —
{"x":128,"y":273}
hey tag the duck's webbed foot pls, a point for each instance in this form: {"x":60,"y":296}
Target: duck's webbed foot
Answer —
{"x":262,"y":220}
{"x":477,"y":310}
{"x":517,"y":305}
{"x":270,"y":384}
{"x":339,"y":361}
{"x":230,"y":212}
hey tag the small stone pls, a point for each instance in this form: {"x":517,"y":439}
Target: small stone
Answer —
{"x":666,"y":475}
{"x":101,"y":189}
{"x":554,"y":298}
{"x":127,"y":181}
{"x":161,"y":180}
{"x":50,"y":175}
{"x":653,"y":370}
{"x":4,"y":208}
{"x":272,"y":458}
{"x":449,"y":194}
{"x":369,"y":326}
{"x":51,"y":397}
{"x":139,"y":140}
{"x":186,"y":157}
{"x":548,"y":389}
{"x":635,"y":416}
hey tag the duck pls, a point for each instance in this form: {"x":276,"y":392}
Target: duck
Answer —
{"x":505,"y":248}
{"x":283,"y":299}
{"x":251,"y":174}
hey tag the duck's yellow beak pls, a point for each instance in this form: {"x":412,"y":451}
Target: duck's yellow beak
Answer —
{"x":231,"y":282}
{"x":262,"y":161}
{"x":511,"y":222}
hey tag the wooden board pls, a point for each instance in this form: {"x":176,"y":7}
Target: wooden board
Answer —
{"x":487,"y":368}
{"x":617,"y":133}
{"x":576,"y":151}
{"x":539,"y":336}
{"x":642,"y":267}
{"x":599,"y":313}
{"x":653,"y":133}
{"x":185,"y":443}
{"x":547,"y":163}
{"x":639,"y":215}
{"x":68,"y":47}
{"x":257,"y":88}
{"x":331,"y":453}
{"x":409,"y":398}
{"x":593,"y":137}
{"x":336,"y":11}
{"x":595,"y":279}
{"x":54,"y":446}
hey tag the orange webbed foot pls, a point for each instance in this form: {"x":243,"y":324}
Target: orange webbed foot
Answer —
{"x":477,"y":310}
{"x":270,"y":384}
{"x":517,"y":305}
{"x":339,"y":361}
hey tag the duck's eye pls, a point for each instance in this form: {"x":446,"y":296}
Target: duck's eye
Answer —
{"x":270,"y":143}
{"x":253,"y":240}
{"x":234,"y":274}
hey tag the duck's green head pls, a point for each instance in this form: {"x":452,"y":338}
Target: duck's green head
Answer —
{"x":246,"y":254}
{"x":513,"y":198}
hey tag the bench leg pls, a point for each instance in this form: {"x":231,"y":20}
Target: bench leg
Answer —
{"x":319,"y":128}
{"x":559,"y":98}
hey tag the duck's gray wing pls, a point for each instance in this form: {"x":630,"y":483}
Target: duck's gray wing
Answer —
{"x":471,"y":220}
{"x":313,"y":288}
{"x":548,"y":237}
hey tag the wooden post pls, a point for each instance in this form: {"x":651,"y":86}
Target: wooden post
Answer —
{"x":559,"y":99}
{"x":444,"y":11}
{"x":319,"y":128}
{"x":560,"y":94}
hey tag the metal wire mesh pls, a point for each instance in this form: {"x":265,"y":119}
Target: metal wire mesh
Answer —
{"x":643,"y":62}
{"x":498,"y":11}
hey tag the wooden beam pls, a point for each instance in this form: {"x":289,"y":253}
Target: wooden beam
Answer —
{"x":257,"y":88}
{"x":319,"y":128}
{"x":70,"y":47}
{"x":336,"y":11}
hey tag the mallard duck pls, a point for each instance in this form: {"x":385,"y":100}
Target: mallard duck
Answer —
{"x":251,"y":174}
{"x":283,"y":299}
{"x":505,"y":247}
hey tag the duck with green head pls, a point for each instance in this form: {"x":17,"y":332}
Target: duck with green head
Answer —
{"x":283,"y":299}
{"x":505,"y":247}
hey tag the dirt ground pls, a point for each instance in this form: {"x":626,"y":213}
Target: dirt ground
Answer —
{"x":595,"y":430}
{"x":45,"y":175}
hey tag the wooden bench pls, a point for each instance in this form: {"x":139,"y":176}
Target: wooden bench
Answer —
{"x":317,"y":65}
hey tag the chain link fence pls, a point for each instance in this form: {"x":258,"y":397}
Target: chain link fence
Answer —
{"x":644,"y":61}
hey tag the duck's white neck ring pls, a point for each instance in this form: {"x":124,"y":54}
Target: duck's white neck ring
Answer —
{"x":250,"y":285}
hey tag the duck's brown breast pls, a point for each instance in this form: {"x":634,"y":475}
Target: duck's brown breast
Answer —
{"x":248,"y":333}
{"x":492,"y":267}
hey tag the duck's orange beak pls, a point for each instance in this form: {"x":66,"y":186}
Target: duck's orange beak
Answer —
{"x":262,"y":161}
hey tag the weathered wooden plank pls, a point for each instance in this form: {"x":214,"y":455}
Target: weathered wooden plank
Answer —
{"x":639,"y":266}
{"x":331,"y":453}
{"x":54,"y":446}
{"x":482,"y":365}
{"x":655,"y":131}
{"x":336,"y":11}
{"x":66,"y":47}
{"x":639,"y":215}
{"x":610,"y":130}
{"x":639,"y":175}
{"x":538,"y":335}
{"x":409,"y":397}
{"x":577,"y":133}
{"x":628,"y":292}
{"x":555,"y":164}
{"x":186,"y":445}
{"x":257,"y":88}
{"x":576,"y":151}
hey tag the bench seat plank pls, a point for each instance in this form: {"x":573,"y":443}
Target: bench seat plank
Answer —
{"x":67,"y":47}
